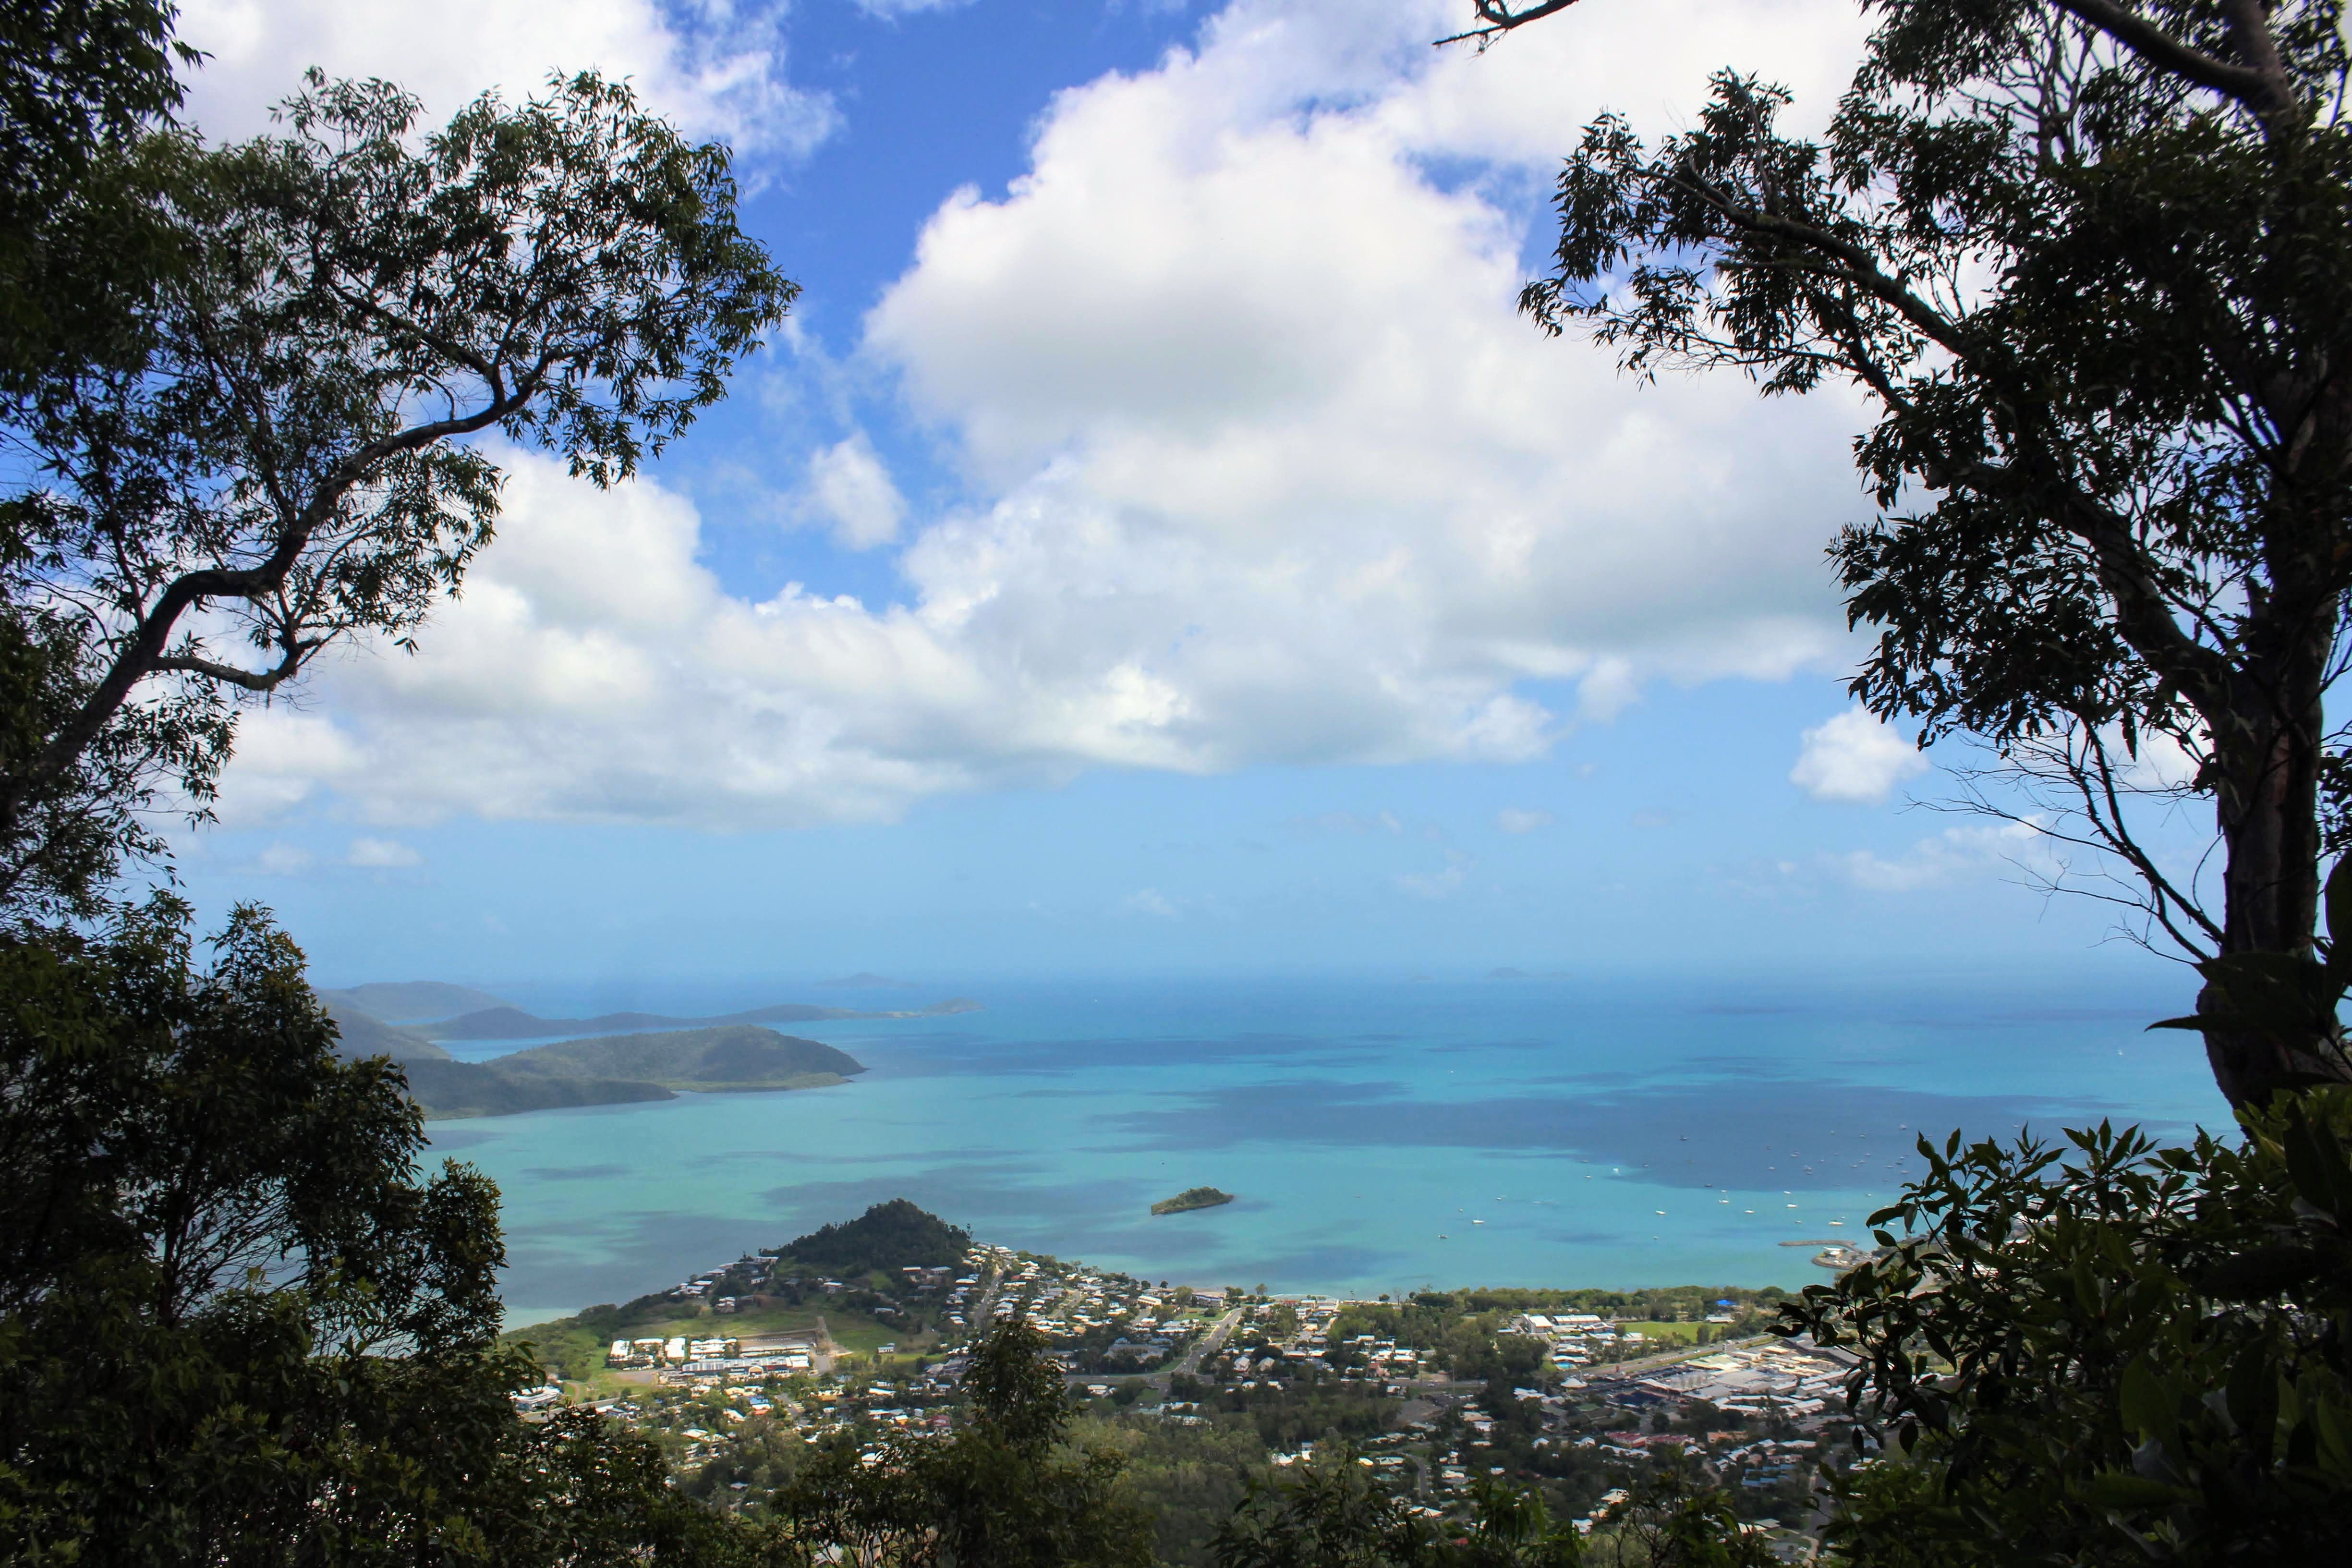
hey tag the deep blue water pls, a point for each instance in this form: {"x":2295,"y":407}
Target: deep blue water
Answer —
{"x":1598,"y":1132}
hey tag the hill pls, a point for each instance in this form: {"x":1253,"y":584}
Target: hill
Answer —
{"x":407,"y":1001}
{"x":364,"y":1036}
{"x":889,"y":1237}
{"x":506,"y":1023}
{"x":624,"y":1070}
{"x":1191,"y":1198}
{"x":448,"y":1089}
{"x":729,"y":1056}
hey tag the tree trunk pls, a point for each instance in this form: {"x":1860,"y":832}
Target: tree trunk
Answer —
{"x":2267,"y":807}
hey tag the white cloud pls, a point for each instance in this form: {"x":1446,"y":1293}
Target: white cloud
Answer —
{"x":1519,"y":819}
{"x":849,"y":487}
{"x":1439,"y":884}
{"x":381,"y":854}
{"x":1150,"y":901}
{"x":1955,"y":853}
{"x":1271,"y":471}
{"x":282,"y":860}
{"x":1855,"y":757}
{"x":715,"y":65}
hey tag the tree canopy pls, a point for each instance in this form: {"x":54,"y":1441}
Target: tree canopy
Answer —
{"x":2091,"y":260}
{"x":287,"y":449}
{"x":242,"y":394}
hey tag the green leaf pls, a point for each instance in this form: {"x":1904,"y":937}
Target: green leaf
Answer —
{"x":2338,"y":897}
{"x":2148,"y":1408}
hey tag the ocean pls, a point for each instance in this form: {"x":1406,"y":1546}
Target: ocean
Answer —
{"x":1377,"y":1134}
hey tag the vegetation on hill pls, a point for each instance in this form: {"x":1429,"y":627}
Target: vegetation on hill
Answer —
{"x":362,"y":1035}
{"x":732,"y":1057}
{"x":887,"y":1237}
{"x":408,"y":1001}
{"x":1192,"y":1198}
{"x":625,"y":1068}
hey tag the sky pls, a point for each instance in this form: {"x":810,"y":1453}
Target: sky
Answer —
{"x":1154,"y":542}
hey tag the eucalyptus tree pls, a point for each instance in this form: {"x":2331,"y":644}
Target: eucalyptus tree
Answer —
{"x":79,"y":81}
{"x":2091,"y":261}
{"x":291,"y":452}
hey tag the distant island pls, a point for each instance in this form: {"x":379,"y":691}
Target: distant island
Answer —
{"x":503,"y":1023}
{"x":623,"y":1057}
{"x":621,"y":1069}
{"x":1191,"y":1198}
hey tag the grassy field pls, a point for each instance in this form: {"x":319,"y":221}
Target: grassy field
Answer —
{"x":1679,"y":1333}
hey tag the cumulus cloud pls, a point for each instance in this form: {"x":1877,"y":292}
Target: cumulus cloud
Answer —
{"x":1955,"y":853}
{"x":381,"y":854}
{"x":715,"y":65}
{"x":1520,"y":819}
{"x":1440,"y":884}
{"x":282,"y":860}
{"x":851,"y":490}
{"x":1855,"y":757}
{"x":1267,"y":469}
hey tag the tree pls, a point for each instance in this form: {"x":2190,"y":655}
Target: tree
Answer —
{"x":290,"y":453}
{"x":2091,"y":261}
{"x":236,"y":1324}
{"x":995,"y":1492}
{"x":1328,"y":1515}
{"x":79,"y":79}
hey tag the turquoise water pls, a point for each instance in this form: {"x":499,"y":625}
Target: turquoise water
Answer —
{"x":1378,"y":1135}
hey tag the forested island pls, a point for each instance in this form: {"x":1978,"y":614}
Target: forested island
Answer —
{"x":616,"y":1069}
{"x":1191,"y":1198}
{"x":627,"y":1058}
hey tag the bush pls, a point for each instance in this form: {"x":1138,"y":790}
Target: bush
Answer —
{"x":2111,"y":1352}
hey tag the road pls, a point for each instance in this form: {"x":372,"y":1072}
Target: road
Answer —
{"x":1203,"y":1349}
{"x":1208,"y":1344}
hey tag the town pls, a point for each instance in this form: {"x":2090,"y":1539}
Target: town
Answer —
{"x":735,"y":1372}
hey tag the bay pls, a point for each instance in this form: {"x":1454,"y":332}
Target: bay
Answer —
{"x":1379,"y":1134}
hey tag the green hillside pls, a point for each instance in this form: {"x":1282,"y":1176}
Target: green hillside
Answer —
{"x":622,"y":1069}
{"x":730,"y":1056}
{"x":406,"y":1001}
{"x":364,"y":1036}
{"x":451,"y":1089}
{"x":889,"y":1237}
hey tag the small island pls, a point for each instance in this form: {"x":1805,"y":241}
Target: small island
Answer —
{"x":1191,"y":1198}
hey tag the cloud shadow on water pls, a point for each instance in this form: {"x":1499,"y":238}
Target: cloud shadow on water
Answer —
{"x":1758,"y":1134}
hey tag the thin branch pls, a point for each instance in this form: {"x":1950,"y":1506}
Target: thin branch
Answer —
{"x":1497,"y":18}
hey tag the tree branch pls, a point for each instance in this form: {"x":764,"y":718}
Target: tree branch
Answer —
{"x":2261,"y":84}
{"x":144,"y":650}
{"x":298,"y":654}
{"x":1497,"y":18}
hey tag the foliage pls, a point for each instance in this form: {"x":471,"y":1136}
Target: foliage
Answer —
{"x":997,"y":1490}
{"x":1329,"y":1514}
{"x":290,"y":455}
{"x":887,"y":1237}
{"x":80,"y":81}
{"x":226,"y":1295}
{"x":2091,"y":260}
{"x":2108,"y":1353}
{"x":1186,"y":1479}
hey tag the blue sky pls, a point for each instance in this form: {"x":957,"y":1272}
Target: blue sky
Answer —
{"x":1155,"y":544}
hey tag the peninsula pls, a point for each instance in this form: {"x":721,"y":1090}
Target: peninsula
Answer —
{"x":1191,"y":1198}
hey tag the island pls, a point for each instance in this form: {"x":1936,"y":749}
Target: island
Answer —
{"x":616,"y":1069}
{"x":1191,"y":1198}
